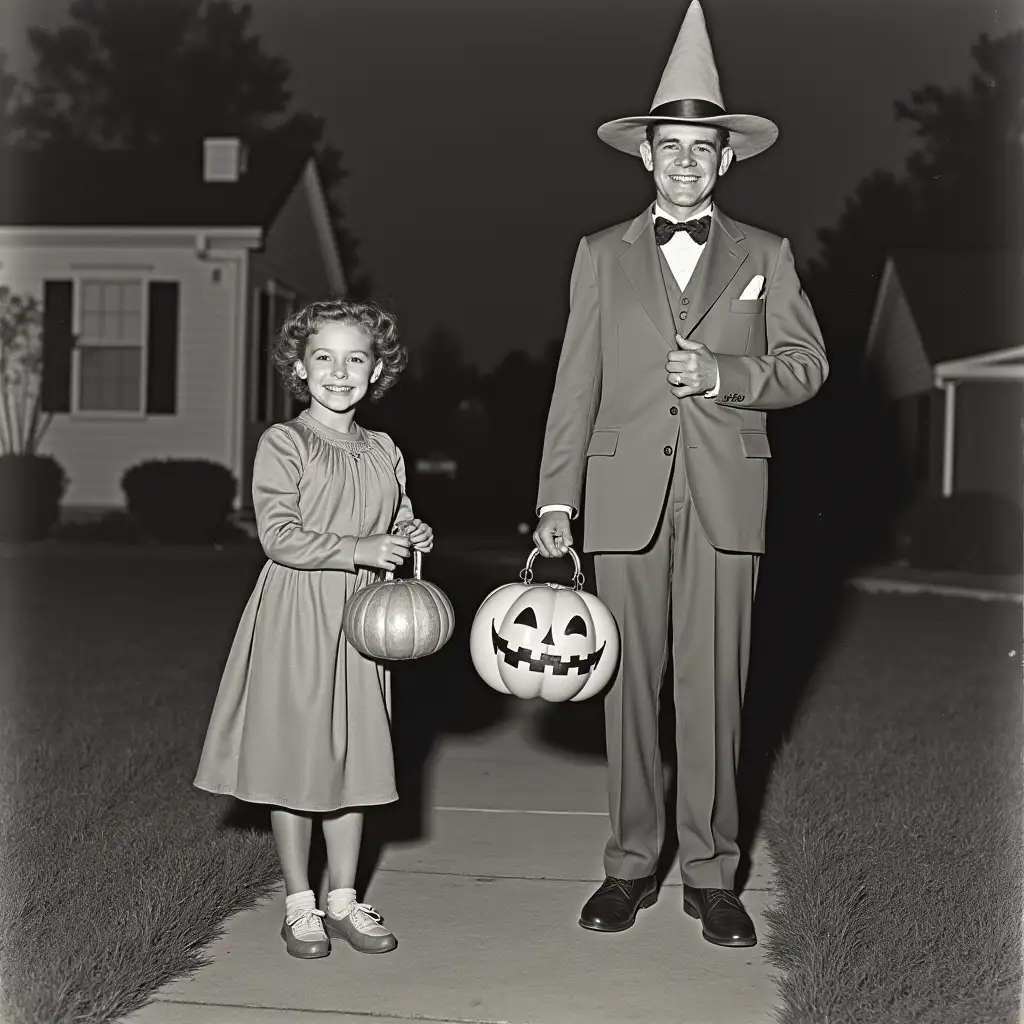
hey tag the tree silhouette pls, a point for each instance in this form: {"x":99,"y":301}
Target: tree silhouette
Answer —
{"x":129,"y":74}
{"x":970,"y":168}
{"x":962,"y":188}
{"x":10,"y":88}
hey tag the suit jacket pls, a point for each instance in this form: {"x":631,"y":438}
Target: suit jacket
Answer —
{"x":611,"y":427}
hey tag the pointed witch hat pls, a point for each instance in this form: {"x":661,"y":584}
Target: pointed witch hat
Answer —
{"x":689,"y":93}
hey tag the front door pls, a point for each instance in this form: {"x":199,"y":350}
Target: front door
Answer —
{"x":267,"y":401}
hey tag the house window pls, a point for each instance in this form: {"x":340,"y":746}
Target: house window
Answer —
{"x":110,"y":352}
{"x":270,"y":401}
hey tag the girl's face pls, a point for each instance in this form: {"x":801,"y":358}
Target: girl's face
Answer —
{"x":338,"y":367}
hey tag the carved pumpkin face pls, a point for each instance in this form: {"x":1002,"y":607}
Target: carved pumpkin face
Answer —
{"x":544,"y":640}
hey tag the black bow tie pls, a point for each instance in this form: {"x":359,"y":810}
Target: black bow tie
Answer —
{"x":697,"y":229}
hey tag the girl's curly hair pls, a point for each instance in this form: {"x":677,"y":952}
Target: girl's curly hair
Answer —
{"x":379,"y":326}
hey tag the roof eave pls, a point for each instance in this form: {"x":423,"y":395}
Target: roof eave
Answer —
{"x":326,"y":234}
{"x":200,"y":237}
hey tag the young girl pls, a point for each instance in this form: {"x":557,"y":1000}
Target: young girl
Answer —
{"x":301,"y":720}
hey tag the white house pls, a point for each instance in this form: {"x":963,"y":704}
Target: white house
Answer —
{"x":946,"y":349}
{"x":163,"y":279}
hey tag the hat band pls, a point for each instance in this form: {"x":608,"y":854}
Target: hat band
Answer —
{"x":687,"y":109}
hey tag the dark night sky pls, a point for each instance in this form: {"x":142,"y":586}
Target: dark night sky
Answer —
{"x":468,"y":126}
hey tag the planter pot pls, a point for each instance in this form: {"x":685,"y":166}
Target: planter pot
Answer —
{"x":31,"y":487}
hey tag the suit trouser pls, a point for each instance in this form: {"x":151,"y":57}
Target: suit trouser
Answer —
{"x":683,"y":589}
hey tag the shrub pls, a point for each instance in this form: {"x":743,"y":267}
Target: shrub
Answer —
{"x":970,"y":532}
{"x":180,"y":501}
{"x":31,"y":487}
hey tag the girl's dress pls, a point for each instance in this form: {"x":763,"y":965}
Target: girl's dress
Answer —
{"x":301,"y":719}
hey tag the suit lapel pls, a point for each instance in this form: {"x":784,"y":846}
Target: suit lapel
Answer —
{"x":718,"y":265}
{"x":640,"y":264}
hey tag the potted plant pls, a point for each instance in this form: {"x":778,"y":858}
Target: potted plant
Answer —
{"x":31,"y":485}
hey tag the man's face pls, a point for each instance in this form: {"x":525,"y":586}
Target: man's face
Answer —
{"x":686,"y":161}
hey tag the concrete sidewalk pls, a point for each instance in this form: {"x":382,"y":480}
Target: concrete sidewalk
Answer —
{"x":485,"y":909}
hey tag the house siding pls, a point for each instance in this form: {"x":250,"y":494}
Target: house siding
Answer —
{"x":95,"y":450}
{"x":292,"y":255}
{"x":293,"y":258}
{"x":897,"y":358}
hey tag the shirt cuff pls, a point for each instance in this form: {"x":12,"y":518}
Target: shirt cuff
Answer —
{"x":567,"y":509}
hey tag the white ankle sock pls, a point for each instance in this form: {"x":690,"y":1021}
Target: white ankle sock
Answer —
{"x":300,"y":901}
{"x":339,"y":901}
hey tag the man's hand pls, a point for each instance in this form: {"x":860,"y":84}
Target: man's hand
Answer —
{"x":553,"y":538}
{"x":382,"y":551}
{"x":692,"y":369}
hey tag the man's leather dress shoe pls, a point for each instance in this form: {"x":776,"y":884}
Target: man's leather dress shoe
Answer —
{"x":723,"y":919}
{"x":613,"y":908}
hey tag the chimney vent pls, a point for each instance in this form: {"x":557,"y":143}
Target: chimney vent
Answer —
{"x":224,"y":159}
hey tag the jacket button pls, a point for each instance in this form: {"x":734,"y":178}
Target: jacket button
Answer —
{"x":668,"y":449}
{"x":685,"y":301}
{"x":682,"y":316}
{"x":673,"y":411}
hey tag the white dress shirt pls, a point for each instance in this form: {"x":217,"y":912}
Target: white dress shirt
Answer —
{"x":681,"y":254}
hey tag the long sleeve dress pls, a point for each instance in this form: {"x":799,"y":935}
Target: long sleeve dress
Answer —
{"x":301,"y":719}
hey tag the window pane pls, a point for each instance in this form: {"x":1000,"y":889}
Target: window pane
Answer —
{"x":92,"y":327}
{"x":131,"y":297}
{"x":108,"y":326}
{"x":111,"y":311}
{"x":92,"y":296}
{"x":109,"y":379}
{"x":131,"y":327}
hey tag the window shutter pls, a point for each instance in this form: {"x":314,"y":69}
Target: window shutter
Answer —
{"x":58,"y":341}
{"x":162,"y":353}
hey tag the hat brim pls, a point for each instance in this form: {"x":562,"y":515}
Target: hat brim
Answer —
{"x":748,"y":133}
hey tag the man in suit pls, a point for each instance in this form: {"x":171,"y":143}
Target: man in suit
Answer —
{"x":685,"y":328}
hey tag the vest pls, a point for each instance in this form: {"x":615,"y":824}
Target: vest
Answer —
{"x":678,"y":302}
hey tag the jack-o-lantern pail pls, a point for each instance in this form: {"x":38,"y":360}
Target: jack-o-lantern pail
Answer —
{"x":544,"y":639}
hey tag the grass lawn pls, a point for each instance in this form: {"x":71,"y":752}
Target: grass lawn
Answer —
{"x":894,"y":819}
{"x":893,"y":814}
{"x":116,"y":872}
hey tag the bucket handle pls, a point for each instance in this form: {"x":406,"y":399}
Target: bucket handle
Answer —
{"x":526,"y":575}
{"x":401,"y":529}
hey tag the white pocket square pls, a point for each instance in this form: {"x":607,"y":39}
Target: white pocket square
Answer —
{"x":753,"y":290}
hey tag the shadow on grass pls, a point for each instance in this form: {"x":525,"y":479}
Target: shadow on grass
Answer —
{"x":799,"y":599}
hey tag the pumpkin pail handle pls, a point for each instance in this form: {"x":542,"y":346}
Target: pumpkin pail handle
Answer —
{"x":526,"y":575}
{"x":402,"y":530}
